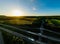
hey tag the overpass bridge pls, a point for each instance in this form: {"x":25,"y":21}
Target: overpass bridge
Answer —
{"x":13,"y":35}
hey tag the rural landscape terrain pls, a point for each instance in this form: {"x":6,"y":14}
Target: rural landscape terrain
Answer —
{"x":27,"y":29}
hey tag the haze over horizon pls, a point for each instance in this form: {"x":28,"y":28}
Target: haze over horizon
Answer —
{"x":30,"y":7}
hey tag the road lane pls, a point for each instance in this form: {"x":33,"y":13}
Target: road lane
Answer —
{"x":51,"y":38}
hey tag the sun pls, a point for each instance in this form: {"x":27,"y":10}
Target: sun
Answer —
{"x":16,"y":13}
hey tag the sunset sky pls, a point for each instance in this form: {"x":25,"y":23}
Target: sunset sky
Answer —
{"x":30,"y":7}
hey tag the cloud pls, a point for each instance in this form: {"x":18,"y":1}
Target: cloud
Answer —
{"x":34,"y":8}
{"x":32,"y":0}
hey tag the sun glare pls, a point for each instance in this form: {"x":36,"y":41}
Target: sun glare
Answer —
{"x":17,"y":13}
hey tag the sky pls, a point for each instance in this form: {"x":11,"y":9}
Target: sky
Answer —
{"x":31,"y":7}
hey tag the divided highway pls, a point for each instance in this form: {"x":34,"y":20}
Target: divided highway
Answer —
{"x":19,"y":33}
{"x":28,"y":35}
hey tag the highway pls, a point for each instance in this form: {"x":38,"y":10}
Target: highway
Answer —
{"x":26,"y":35}
{"x":9,"y":30}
